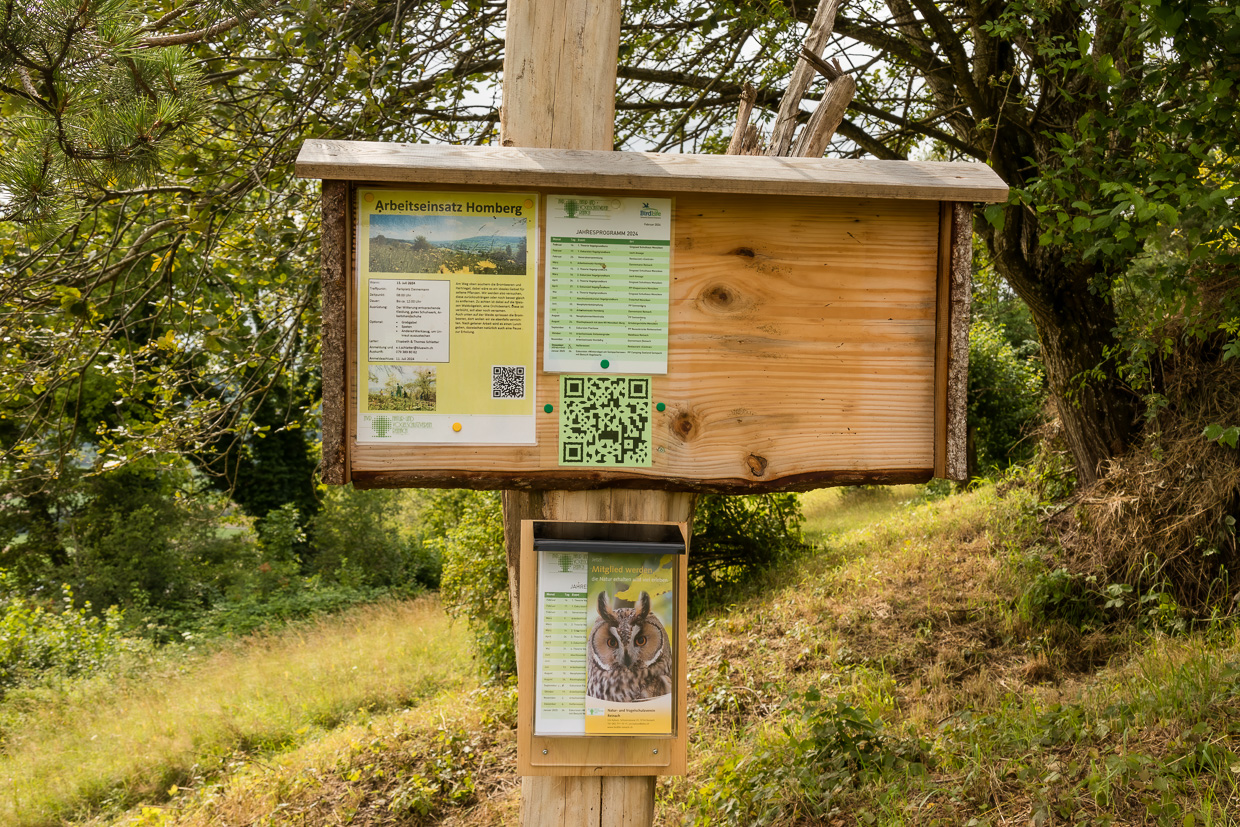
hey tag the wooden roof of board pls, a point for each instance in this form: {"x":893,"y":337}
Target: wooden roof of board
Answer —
{"x":424,"y":164}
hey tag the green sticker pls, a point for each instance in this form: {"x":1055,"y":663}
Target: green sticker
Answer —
{"x":605,"y":421}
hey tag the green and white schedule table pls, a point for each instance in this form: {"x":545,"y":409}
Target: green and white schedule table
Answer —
{"x":560,"y":688}
{"x":609,"y":264}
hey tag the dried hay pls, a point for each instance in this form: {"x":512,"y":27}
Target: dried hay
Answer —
{"x":1158,"y":518}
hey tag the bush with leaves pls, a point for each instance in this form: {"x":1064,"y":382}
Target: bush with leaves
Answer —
{"x":365,"y":536}
{"x":1006,"y":395}
{"x":734,"y":535}
{"x":37,"y":643}
{"x":475,"y":580}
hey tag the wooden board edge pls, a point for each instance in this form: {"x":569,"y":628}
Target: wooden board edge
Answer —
{"x":957,"y":418}
{"x":679,"y":764}
{"x":528,"y":620}
{"x":596,"y":480}
{"x":373,"y":162}
{"x":333,"y":350}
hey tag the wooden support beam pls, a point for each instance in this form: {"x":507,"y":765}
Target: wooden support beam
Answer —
{"x":559,"y":92}
{"x":560,"y":74}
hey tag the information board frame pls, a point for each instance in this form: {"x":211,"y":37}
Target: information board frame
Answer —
{"x":698,"y":448}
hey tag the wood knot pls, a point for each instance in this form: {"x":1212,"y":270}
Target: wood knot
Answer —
{"x":757,"y":465}
{"x":718,"y":296}
{"x":747,"y":252}
{"x":722,"y":298}
{"x":685,"y":426}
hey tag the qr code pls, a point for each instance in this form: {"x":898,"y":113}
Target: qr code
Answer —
{"x":508,"y":382}
{"x":605,"y":420}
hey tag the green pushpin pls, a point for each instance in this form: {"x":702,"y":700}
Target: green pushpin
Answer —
{"x":548,"y":408}
{"x":604,"y":364}
{"x":660,"y":407}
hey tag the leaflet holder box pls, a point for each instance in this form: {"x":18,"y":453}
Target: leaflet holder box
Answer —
{"x":547,"y":542}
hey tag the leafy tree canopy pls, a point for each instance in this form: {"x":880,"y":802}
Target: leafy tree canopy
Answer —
{"x":178,"y":281}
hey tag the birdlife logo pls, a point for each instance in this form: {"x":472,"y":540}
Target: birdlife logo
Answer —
{"x":648,"y":211}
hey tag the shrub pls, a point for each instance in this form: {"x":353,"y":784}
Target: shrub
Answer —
{"x":364,"y":536}
{"x":475,"y":580}
{"x":37,"y":643}
{"x":1005,"y":398}
{"x":152,"y":537}
{"x":736,"y":535}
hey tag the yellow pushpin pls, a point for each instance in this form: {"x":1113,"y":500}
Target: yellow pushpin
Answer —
{"x":456,"y":426}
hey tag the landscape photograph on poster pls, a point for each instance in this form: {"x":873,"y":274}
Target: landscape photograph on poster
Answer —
{"x":448,"y":244}
{"x":401,"y":387}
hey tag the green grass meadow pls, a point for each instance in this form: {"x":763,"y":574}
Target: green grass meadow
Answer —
{"x":889,"y":676}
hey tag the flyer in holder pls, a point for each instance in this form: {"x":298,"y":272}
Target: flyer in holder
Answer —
{"x":605,"y":646}
{"x":608,"y":284}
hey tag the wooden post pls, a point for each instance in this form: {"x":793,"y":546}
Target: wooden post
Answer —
{"x":559,"y":93}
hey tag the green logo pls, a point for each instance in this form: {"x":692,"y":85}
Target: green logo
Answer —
{"x":382,"y":426}
{"x":566,"y":563}
{"x":570,"y":208}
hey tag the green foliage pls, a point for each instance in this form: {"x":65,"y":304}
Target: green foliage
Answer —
{"x":72,"y":137}
{"x":152,"y":538}
{"x":475,"y":579}
{"x":37,"y":644}
{"x":368,"y":533}
{"x":734,"y":536}
{"x":1006,"y":394}
{"x":828,"y":749}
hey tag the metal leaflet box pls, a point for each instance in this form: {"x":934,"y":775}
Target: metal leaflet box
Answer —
{"x":601,"y":666}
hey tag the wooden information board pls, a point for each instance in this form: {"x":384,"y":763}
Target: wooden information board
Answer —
{"x":816,"y":318}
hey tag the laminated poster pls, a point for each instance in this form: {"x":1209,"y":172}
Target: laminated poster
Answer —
{"x":606,"y":654}
{"x":447,"y":317}
{"x":609,"y":265}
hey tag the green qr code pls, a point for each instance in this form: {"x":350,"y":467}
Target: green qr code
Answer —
{"x":605,"y":420}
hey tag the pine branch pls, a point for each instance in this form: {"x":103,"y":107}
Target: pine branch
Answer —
{"x":209,"y":32}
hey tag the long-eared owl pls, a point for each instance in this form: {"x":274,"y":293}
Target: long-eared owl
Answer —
{"x":629,"y":653}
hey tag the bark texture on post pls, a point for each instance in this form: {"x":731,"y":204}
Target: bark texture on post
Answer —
{"x":560,"y":92}
{"x":960,"y":301}
{"x":334,"y":252}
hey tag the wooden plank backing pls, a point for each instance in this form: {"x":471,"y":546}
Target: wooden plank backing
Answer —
{"x":427,"y":164}
{"x":802,"y":353}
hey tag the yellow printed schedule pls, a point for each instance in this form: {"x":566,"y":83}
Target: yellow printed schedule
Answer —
{"x":447,"y":316}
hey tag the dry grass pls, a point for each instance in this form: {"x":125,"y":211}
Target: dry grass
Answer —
{"x":132,"y":741}
{"x":1159,"y":518}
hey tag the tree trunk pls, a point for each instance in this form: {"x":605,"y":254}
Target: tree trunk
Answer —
{"x":1099,"y":414}
{"x":1076,"y":326}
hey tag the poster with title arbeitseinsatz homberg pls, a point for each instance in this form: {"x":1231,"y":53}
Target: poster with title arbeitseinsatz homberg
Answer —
{"x":447,"y":317}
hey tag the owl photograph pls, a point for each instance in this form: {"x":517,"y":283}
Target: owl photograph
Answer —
{"x":629,"y":653}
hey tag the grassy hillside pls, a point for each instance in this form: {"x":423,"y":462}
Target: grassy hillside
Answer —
{"x":187,"y":721}
{"x":910,"y":671}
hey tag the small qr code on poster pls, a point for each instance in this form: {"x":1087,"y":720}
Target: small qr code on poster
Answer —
{"x":508,"y":382}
